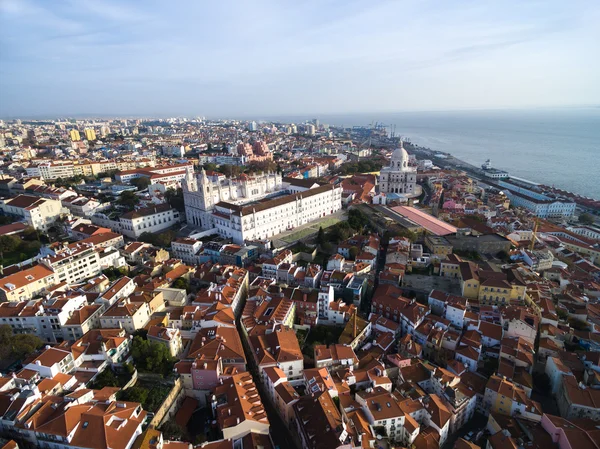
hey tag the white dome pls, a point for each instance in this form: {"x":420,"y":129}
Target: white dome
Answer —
{"x":400,"y":154}
{"x":399,"y":160}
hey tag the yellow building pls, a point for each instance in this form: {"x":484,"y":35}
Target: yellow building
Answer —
{"x":74,"y":135}
{"x":82,"y":169}
{"x":469,"y":280}
{"x":490,"y":287}
{"x":450,"y":266}
{"x":439,"y":247}
{"x":90,"y":134}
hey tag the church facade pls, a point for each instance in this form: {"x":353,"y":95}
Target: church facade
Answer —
{"x":399,"y":177}
{"x":256,"y":207}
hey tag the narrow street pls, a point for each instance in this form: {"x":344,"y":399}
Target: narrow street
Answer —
{"x":280,"y":434}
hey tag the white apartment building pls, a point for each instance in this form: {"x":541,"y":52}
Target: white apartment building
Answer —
{"x":81,"y":205}
{"x":51,"y":170}
{"x":121,"y":288}
{"x":127,"y":315}
{"x":586,"y":231}
{"x":24,"y":285}
{"x":82,"y":321}
{"x":382,"y":409}
{"x":74,"y":264}
{"x":178,"y":171}
{"x":52,"y":361}
{"x":186,"y":249}
{"x":49,"y":319}
{"x":555,"y":371}
{"x":201,"y":192}
{"x":39,"y":213}
{"x":151,"y":219}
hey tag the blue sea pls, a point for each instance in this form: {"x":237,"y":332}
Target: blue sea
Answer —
{"x":559,"y":147}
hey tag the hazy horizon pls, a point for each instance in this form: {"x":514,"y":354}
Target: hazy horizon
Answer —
{"x":270,"y":58}
{"x":286,"y":117}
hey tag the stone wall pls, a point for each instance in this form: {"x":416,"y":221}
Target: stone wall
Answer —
{"x":170,"y":405}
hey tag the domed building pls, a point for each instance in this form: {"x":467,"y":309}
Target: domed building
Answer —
{"x":399,"y":178}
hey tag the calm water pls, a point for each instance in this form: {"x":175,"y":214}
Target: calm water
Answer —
{"x":558,"y":147}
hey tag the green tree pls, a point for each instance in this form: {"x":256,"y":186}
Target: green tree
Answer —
{"x":30,"y":234}
{"x":104,"y":198}
{"x":8,"y":243}
{"x":156,"y":397}
{"x":340,"y":231}
{"x":106,"y":378}
{"x":128,"y":199}
{"x":172,"y":431}
{"x":321,"y":237}
{"x":113,"y":273}
{"x":353,"y":252}
{"x":18,"y":346}
{"x":586,"y":219}
{"x":151,"y":357}
{"x":163,"y":239}
{"x":357,"y":219}
{"x":23,"y":345}
{"x":503,"y":255}
{"x":141,"y":183}
{"x":135,"y":394}
{"x":181,"y":283}
{"x":6,"y":219}
{"x":175,"y":199}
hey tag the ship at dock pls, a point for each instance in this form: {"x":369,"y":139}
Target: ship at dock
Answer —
{"x":491,"y":172}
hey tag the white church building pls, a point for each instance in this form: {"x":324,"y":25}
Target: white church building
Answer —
{"x":256,"y":207}
{"x":398,"y":180}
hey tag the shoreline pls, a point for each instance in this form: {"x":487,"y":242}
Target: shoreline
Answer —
{"x":451,"y":161}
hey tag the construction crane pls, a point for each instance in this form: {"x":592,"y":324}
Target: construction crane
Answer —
{"x":535,"y":229}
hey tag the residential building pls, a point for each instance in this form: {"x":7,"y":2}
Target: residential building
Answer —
{"x":238,"y":408}
{"x":65,"y":423}
{"x":279,"y":348}
{"x":169,"y":337}
{"x":578,"y":401}
{"x":318,"y":422}
{"x":39,"y":213}
{"x":75,"y":263}
{"x":504,"y":397}
{"x":127,"y":315}
{"x":52,"y":361}
{"x":151,"y":219}
{"x":26,"y":284}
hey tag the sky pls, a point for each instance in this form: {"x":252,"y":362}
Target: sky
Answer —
{"x":242,"y":58}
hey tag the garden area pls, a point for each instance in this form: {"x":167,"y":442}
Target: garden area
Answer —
{"x":110,"y":378}
{"x":16,"y":347}
{"x":14,"y":249}
{"x":149,"y":357}
{"x":318,"y":335}
{"x":149,"y":394}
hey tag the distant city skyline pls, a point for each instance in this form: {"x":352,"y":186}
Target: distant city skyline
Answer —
{"x":268,"y":58}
